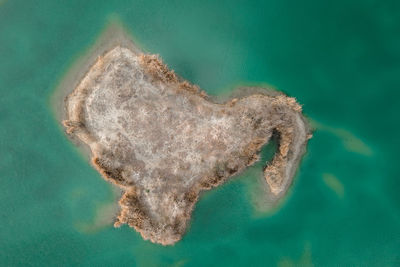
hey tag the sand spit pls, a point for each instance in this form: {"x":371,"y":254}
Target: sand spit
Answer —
{"x":162,"y":140}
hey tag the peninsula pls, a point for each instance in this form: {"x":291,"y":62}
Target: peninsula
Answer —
{"x":163,"y":141}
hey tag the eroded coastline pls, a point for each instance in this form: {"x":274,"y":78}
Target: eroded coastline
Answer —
{"x":162,"y":140}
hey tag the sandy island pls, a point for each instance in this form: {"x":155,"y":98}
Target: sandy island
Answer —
{"x":162,"y":140}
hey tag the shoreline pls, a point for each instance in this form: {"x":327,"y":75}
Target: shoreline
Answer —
{"x":113,"y":36}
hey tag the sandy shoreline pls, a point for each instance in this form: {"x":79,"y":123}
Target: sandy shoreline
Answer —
{"x":114,"y":34}
{"x":290,"y":151}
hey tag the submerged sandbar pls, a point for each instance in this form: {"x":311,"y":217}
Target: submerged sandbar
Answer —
{"x":162,"y":140}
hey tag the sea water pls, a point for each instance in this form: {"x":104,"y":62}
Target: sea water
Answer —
{"x":340,"y":59}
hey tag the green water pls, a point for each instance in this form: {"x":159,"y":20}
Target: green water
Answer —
{"x":341,"y":59}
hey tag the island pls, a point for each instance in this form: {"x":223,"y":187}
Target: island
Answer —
{"x":163,"y":141}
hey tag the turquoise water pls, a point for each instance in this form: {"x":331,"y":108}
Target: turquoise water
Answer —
{"x":340,"y":59}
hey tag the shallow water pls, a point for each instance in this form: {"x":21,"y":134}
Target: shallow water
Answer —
{"x":341,"y":60}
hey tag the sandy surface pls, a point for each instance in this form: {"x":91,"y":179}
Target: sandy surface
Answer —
{"x":162,"y":140}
